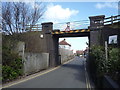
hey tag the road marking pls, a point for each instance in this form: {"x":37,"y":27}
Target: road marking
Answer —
{"x":87,"y":79}
{"x":67,"y":62}
{"x":37,"y":75}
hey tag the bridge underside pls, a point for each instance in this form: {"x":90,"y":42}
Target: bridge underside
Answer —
{"x":84,"y":34}
{"x":72,"y":33}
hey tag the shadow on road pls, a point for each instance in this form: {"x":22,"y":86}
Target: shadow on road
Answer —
{"x":78,"y":68}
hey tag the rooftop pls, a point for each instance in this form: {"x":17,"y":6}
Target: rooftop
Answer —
{"x":63,"y":42}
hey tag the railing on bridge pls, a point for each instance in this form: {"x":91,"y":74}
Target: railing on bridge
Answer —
{"x":36,"y":27}
{"x":95,"y":22}
{"x":73,"y":25}
{"x":112,"y":20}
{"x":98,"y":22}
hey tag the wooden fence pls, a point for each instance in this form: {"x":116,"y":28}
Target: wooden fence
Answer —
{"x":36,"y":27}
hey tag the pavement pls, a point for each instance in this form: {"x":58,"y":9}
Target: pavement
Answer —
{"x":70,"y":75}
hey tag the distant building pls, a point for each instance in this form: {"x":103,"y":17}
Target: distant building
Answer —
{"x":64,"y":44}
{"x":79,"y":52}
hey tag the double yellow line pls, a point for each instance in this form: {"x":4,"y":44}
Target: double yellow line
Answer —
{"x":87,"y":79}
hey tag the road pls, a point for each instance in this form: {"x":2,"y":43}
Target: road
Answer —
{"x":70,"y":75}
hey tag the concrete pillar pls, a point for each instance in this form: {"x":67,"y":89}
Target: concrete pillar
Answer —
{"x":94,"y":38}
{"x":96,"y":26}
{"x":50,"y":43}
{"x":96,"y":22}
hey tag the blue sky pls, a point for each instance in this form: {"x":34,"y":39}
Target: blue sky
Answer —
{"x":86,"y":9}
{"x":61,"y":12}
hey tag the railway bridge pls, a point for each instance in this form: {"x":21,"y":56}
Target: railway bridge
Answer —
{"x":101,"y":28}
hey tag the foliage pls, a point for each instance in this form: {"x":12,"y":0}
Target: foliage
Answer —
{"x":111,"y":66}
{"x":11,"y":62}
{"x":12,"y":69}
{"x":98,"y":53}
{"x":8,"y":73}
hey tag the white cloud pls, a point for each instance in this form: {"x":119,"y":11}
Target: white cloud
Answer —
{"x":107,"y":4}
{"x":56,"y":13}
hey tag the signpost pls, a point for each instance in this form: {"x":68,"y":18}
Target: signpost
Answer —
{"x":106,"y":50}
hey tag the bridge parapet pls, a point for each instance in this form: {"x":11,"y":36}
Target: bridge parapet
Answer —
{"x":96,"y":22}
{"x":47,"y":27}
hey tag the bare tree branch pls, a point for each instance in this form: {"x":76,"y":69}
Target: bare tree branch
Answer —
{"x":16,"y":15}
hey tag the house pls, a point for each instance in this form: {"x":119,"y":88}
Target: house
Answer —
{"x":79,"y":52}
{"x":64,"y":44}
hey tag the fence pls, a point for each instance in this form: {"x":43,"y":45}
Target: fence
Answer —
{"x":112,"y":19}
{"x":73,"y":25}
{"x":36,"y":27}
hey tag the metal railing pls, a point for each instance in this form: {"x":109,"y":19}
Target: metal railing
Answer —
{"x":112,"y":20}
{"x":82,"y":24}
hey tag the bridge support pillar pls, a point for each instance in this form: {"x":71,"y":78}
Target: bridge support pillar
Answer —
{"x":50,"y":43}
{"x":96,"y":26}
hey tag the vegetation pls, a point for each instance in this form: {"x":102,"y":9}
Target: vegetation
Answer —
{"x":98,"y":54}
{"x":100,"y":66}
{"x":113,"y":64}
{"x":11,"y":62}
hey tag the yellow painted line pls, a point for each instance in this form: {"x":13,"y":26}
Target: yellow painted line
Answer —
{"x":35,"y":75}
{"x":66,"y":32}
{"x":87,"y":80}
{"x":61,"y":32}
{"x":31,"y":77}
{"x":77,"y":31}
{"x":56,"y":32}
{"x":83,"y":30}
{"x":88,"y":30}
{"x":71,"y":31}
{"x":87,"y":85}
{"x":68,"y":61}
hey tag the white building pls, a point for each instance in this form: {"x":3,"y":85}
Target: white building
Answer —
{"x":64,"y":44}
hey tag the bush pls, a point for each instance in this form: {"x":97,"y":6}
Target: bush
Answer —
{"x":114,"y":61}
{"x":101,"y":66}
{"x":98,"y":55}
{"x":11,"y":72}
{"x":8,"y":73}
{"x":113,"y":64}
{"x":11,"y":61}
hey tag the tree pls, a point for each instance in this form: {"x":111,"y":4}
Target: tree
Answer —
{"x":16,"y":15}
